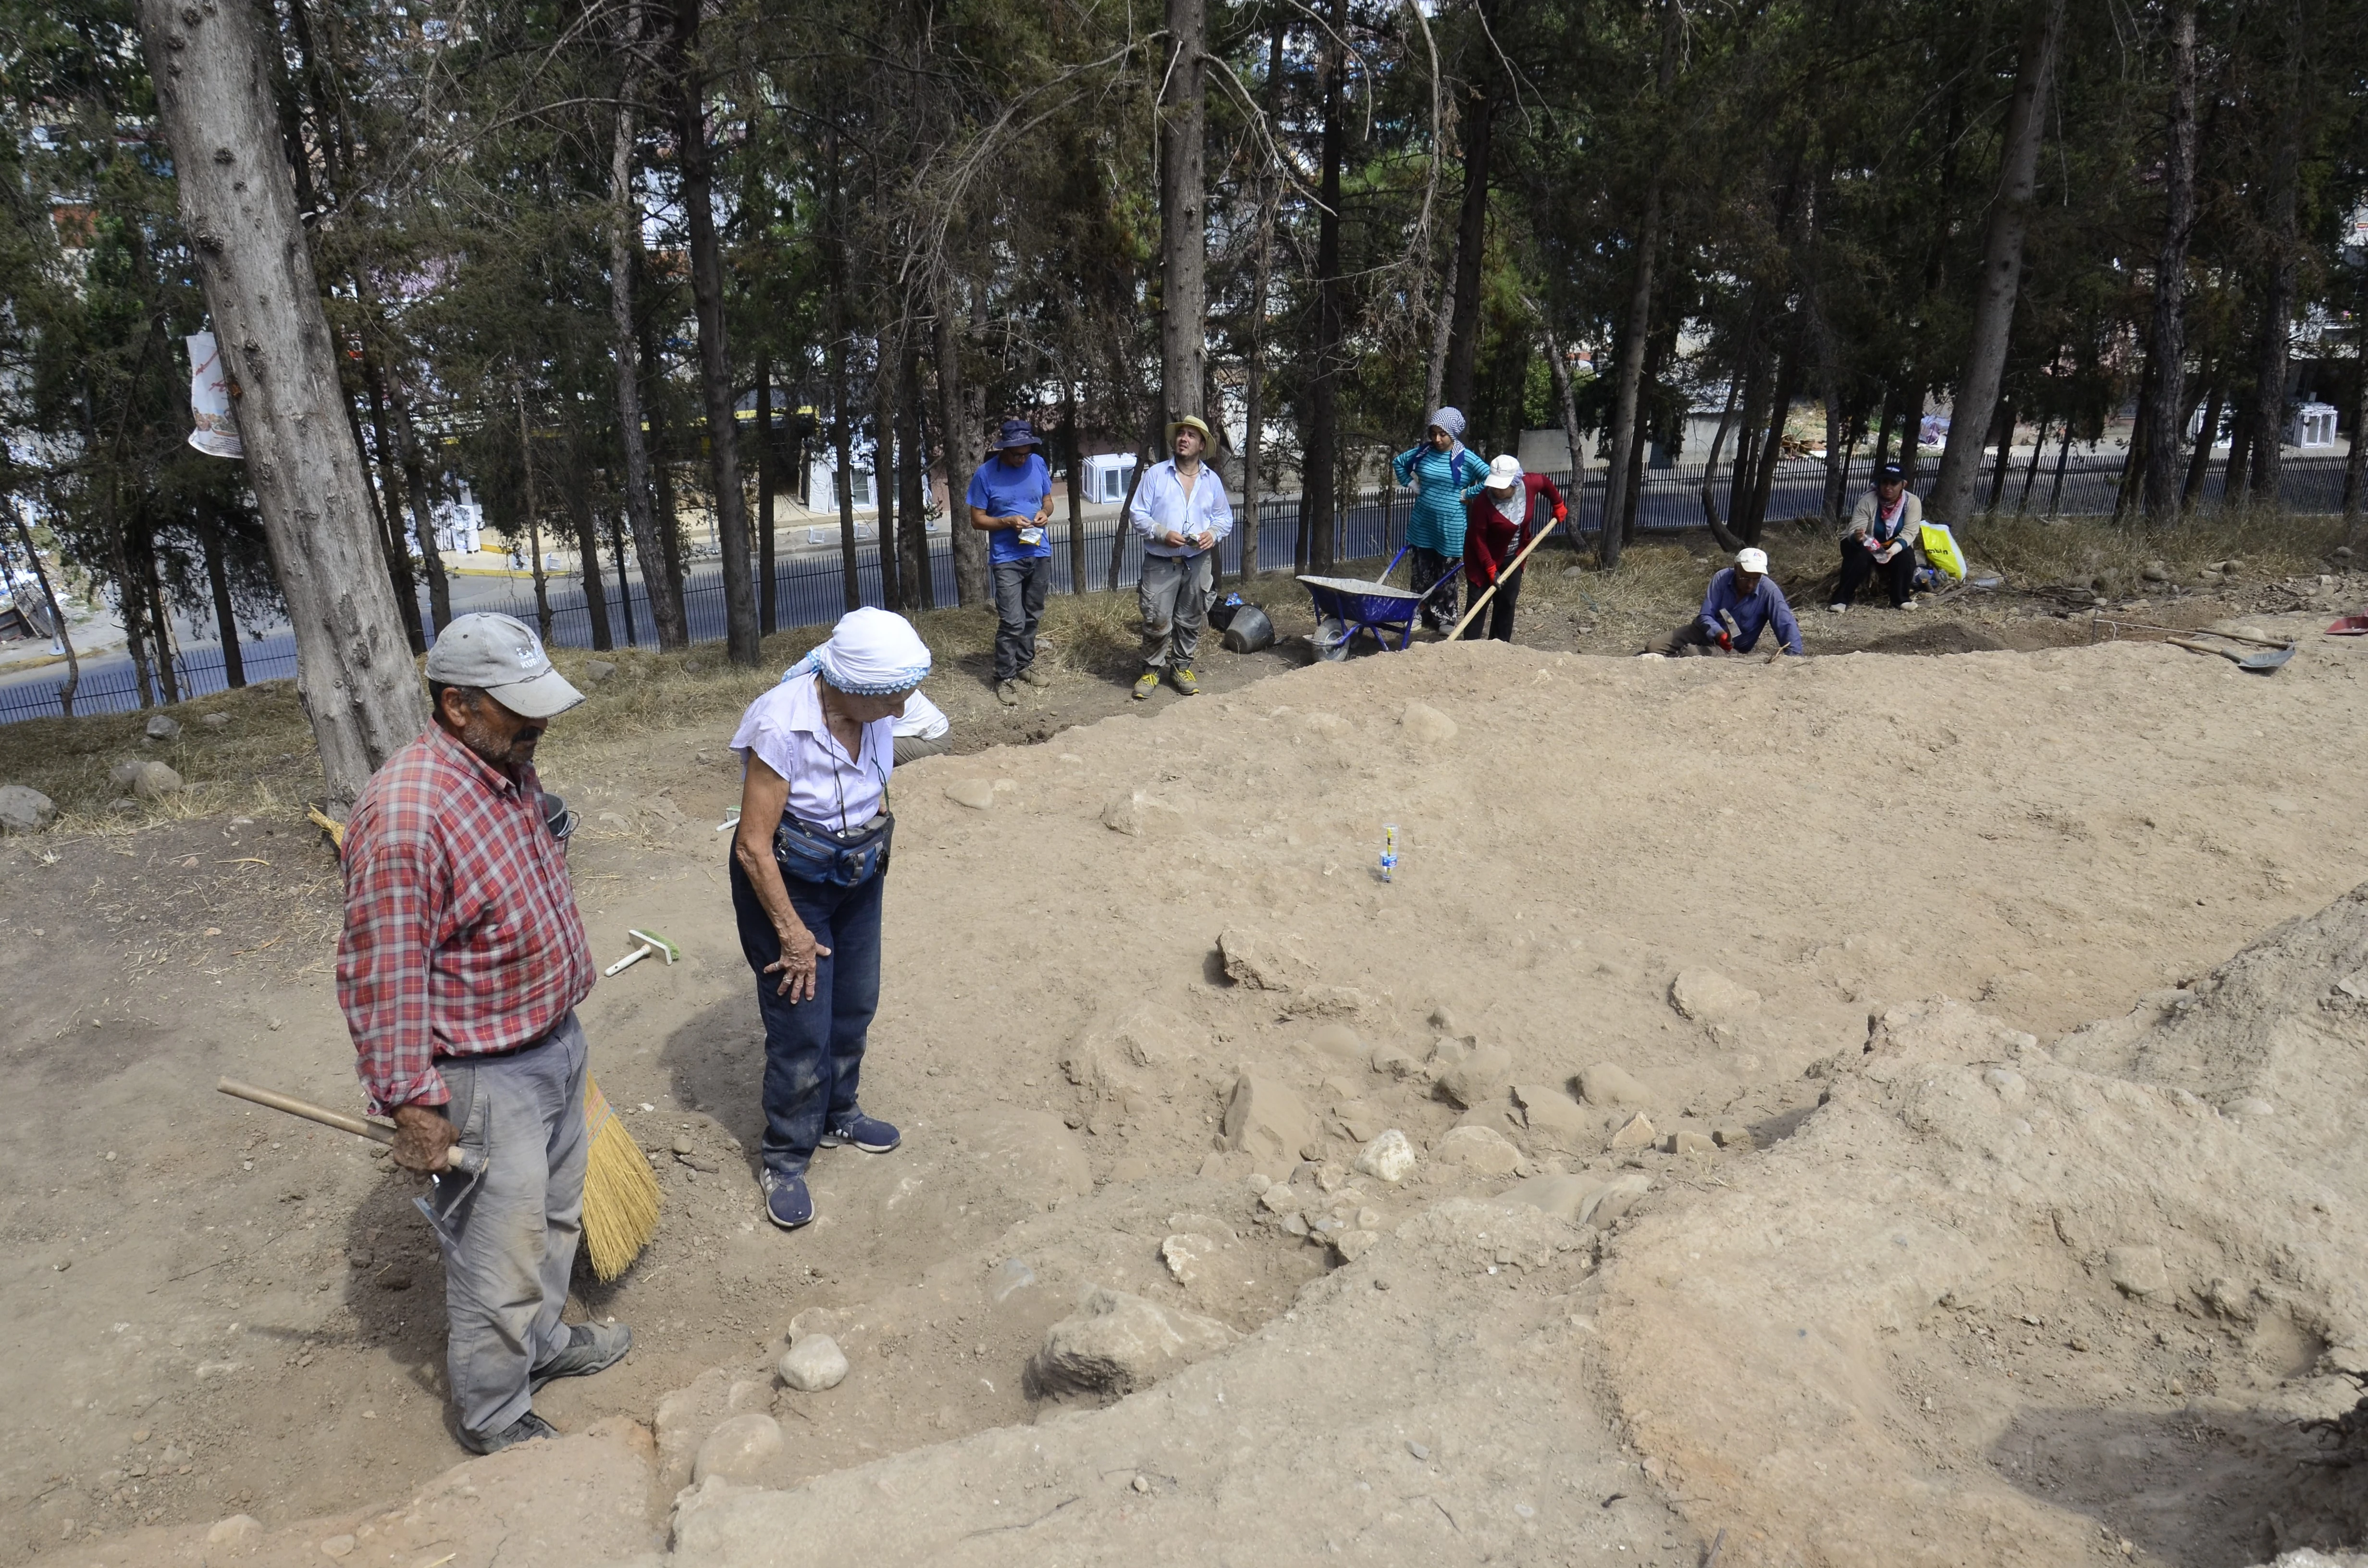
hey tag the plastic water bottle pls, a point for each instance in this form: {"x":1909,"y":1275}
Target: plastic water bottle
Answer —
{"x":1389,"y":851}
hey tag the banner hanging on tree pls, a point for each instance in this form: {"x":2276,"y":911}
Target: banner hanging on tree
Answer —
{"x":216,"y":434}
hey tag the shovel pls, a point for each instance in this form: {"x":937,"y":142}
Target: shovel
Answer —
{"x":2269,"y":661}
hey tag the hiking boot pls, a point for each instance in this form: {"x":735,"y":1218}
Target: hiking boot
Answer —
{"x":524,"y":1429}
{"x":1186,"y":681}
{"x":787,"y":1202}
{"x":591,"y":1348}
{"x":1035,"y":676}
{"x":868,"y":1134}
{"x":1146,"y":684}
{"x":1007,"y":693}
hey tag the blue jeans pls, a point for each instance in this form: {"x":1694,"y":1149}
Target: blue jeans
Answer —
{"x":814,"y":1050}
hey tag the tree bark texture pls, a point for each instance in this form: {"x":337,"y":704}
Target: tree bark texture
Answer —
{"x":842,"y":434}
{"x":1456,"y":377}
{"x":1183,"y":197}
{"x":2268,"y":406}
{"x":218,"y":585}
{"x":960,"y":440}
{"x":920,"y":572}
{"x":667,"y":618}
{"x":1319,"y":480}
{"x":2166,"y":333}
{"x":423,"y":515}
{"x":741,"y":639}
{"x":1633,"y":329}
{"x":391,"y":492}
{"x":883,"y":483}
{"x":2001,"y":276}
{"x":768,"y":586}
{"x":1073,"y":461}
{"x":57,"y":611}
{"x":238,"y":201}
{"x":577,"y":498}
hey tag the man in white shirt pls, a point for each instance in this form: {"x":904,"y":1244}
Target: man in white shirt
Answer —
{"x":1181,"y":512}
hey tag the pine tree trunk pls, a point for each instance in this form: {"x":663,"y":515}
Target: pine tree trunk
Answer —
{"x":533,"y":524}
{"x":768,"y":584}
{"x":2004,"y":426}
{"x":1566,"y":406}
{"x":57,"y":612}
{"x":1184,"y":252}
{"x":961,"y":440}
{"x":1471,"y":248}
{"x":884,"y":479}
{"x":2166,"y":333}
{"x":1719,"y":531}
{"x":624,"y":583}
{"x":2001,"y":276}
{"x":2269,"y":408}
{"x":1318,"y":479}
{"x":391,"y":507}
{"x":667,"y":620}
{"x":842,"y":434}
{"x":1625,"y":437}
{"x":577,"y":498}
{"x":422,"y":517}
{"x":920,"y":572}
{"x":1261,"y":283}
{"x":238,"y":203}
{"x":217,"y":585}
{"x":743,"y":642}
{"x":1073,"y":458}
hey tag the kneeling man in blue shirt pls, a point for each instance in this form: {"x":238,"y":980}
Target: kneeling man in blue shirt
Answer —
{"x":1743,"y":601}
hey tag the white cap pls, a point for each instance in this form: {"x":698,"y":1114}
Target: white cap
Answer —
{"x":1749,"y":560}
{"x":499,"y":654}
{"x":1504,"y":471}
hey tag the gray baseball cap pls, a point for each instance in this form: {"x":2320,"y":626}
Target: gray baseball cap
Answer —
{"x":501,"y":654}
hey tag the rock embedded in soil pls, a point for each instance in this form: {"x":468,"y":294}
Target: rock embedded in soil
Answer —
{"x":1138,"y":814}
{"x":1117,"y":1342}
{"x":215,"y":721}
{"x":1480,"y":1149}
{"x":162,"y":727}
{"x":1265,"y":1120}
{"x":1261,"y":962}
{"x":2138,"y":1270}
{"x":978,"y":794}
{"x":1478,"y":1076}
{"x":1551,"y":1114}
{"x":155,"y":781}
{"x":1636,"y":1133}
{"x":1337,"y":1039}
{"x":1389,"y":1157}
{"x":814,"y":1362}
{"x":739,"y":1450}
{"x":1709,"y":998}
{"x":1605,"y":1083}
{"x":1184,"y":1255}
{"x":1426,"y":725}
{"x":597,"y":670}
{"x":25,"y":810}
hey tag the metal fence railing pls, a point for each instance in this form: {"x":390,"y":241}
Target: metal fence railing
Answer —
{"x":811,"y":588}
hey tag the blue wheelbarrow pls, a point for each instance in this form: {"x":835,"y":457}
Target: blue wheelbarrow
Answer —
{"x":1345,"y":606}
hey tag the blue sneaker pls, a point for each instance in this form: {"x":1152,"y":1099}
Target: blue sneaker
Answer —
{"x":868,"y":1134}
{"x":787,"y":1202}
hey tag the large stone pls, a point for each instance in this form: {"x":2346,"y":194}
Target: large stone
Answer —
{"x":597,"y":670}
{"x":156,"y":781}
{"x":1636,"y":1133}
{"x":1265,"y":1120}
{"x":2138,"y":1270}
{"x":1138,"y":814}
{"x":1389,"y":1157}
{"x":1478,"y":1076}
{"x":1364,"y":1120}
{"x":813,"y":1363}
{"x":1481,"y":1149}
{"x":215,"y":721}
{"x":1606,"y":1083}
{"x":163,"y":727}
{"x":978,"y":794}
{"x":1426,"y":725}
{"x":1117,"y":1342}
{"x":1261,"y":962}
{"x":1559,"y":1195}
{"x":1186,"y":1255}
{"x":24,"y":810}
{"x":240,"y":1531}
{"x":1551,"y":1114}
{"x":1709,"y":998}
{"x":739,"y":1450}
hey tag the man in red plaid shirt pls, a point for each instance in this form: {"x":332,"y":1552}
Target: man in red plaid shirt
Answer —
{"x":459,"y":971}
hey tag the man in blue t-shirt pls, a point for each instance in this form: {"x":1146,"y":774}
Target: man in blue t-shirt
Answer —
{"x":1010,"y":501}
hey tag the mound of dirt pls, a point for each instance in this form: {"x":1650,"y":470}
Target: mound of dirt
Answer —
{"x":1994,"y":1293}
{"x":1937,"y":637}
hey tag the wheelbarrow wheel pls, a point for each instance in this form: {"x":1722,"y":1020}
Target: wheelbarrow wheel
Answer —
{"x":1331,"y":638}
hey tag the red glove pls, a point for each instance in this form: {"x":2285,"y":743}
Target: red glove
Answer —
{"x":1562,"y":513}
{"x":1726,"y":642}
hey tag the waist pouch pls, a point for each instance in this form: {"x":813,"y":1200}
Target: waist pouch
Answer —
{"x":842,"y":860}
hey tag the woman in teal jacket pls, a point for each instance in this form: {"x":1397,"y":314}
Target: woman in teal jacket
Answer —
{"x":1438,"y":471}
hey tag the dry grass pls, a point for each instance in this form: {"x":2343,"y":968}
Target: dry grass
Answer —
{"x":262,"y":760}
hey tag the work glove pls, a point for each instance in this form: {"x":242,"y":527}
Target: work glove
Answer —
{"x":1562,"y":513}
{"x":1726,"y":642}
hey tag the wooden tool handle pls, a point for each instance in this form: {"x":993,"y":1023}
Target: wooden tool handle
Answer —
{"x":1481,"y":603}
{"x":376,"y":1131}
{"x":455,"y":1158}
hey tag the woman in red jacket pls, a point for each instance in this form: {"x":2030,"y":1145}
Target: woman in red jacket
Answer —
{"x":1501,"y":515}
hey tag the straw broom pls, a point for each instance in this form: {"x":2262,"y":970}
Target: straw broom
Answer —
{"x":620,"y":1196}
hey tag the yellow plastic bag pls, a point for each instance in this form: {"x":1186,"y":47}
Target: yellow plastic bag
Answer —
{"x":1941,"y":550}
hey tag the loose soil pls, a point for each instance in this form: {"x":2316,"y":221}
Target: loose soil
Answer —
{"x":231,"y":1312}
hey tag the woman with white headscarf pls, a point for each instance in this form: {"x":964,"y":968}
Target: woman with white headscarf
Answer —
{"x":807,"y":869}
{"x":1439,"y":470}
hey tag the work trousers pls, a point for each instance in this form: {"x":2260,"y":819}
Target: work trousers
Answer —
{"x":1173,"y":595}
{"x":1018,"y":605}
{"x":814,"y":1049}
{"x":509,"y":1236}
{"x":913,"y":748}
{"x":1438,"y":610}
{"x":1497,"y":621}
{"x":1687,"y":642}
{"x":1859,"y":564}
